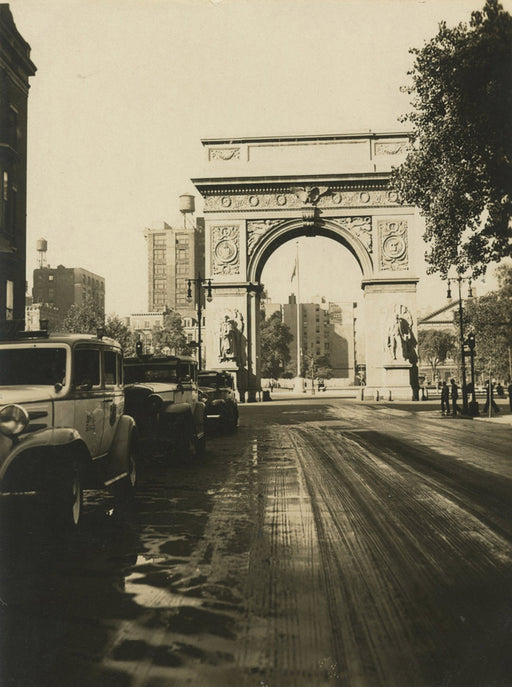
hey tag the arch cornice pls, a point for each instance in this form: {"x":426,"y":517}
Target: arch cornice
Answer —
{"x":289,"y":229}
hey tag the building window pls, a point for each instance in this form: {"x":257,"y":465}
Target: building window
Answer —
{"x":159,"y":270}
{"x":159,"y":285}
{"x":159,"y":254}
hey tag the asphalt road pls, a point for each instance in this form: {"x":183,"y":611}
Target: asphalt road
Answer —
{"x":327,"y":542}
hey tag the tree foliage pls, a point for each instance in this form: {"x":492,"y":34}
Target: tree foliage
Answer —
{"x":275,"y":339}
{"x":459,"y":169}
{"x":116,"y":329}
{"x":171,"y":335}
{"x":84,"y":318}
{"x":434,"y":346}
{"x":316,"y":367}
{"x":490,"y":319}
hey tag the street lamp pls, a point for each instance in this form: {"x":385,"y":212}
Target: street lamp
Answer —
{"x":201,"y":284}
{"x":459,"y":280}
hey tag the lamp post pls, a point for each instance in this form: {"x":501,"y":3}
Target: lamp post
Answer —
{"x":201,"y":284}
{"x":459,"y":280}
{"x":470,"y":342}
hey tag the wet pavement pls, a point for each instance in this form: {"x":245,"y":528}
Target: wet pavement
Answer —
{"x":326,"y":542}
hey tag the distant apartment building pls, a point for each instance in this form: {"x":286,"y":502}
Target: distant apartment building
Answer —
{"x":62,"y":287}
{"x":326,"y":330}
{"x":37,"y":315}
{"x":174,"y":256}
{"x":15,"y":69}
{"x":144,"y":323}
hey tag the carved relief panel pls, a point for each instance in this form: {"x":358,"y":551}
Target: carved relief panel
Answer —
{"x":256,"y":229}
{"x":360,"y":227}
{"x":225,"y":249}
{"x":393,"y":244}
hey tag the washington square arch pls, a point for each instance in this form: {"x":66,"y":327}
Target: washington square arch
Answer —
{"x":260,"y":193}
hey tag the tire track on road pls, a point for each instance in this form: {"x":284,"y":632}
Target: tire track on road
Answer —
{"x":396,"y":546}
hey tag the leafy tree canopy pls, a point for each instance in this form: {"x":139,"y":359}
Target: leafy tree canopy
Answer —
{"x":459,"y":169}
{"x":490,"y":319}
{"x":434,"y":346}
{"x":84,"y":318}
{"x":275,"y":339}
{"x":116,"y":329}
{"x":171,"y":335}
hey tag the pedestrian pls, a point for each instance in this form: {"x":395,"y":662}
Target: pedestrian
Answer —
{"x":509,"y":389}
{"x":455,"y":396}
{"x":445,"y":399}
{"x":490,"y":398}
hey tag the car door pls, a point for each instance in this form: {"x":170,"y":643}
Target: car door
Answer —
{"x":89,"y":395}
{"x":113,"y":400}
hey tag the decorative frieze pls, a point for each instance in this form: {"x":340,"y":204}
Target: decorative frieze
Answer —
{"x":256,"y":229}
{"x":360,"y":227}
{"x":393,"y":242}
{"x":255,"y":200}
{"x":395,"y":148}
{"x":225,"y":249}
{"x":224,"y":154}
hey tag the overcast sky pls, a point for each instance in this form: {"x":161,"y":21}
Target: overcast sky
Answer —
{"x":126,"y":89}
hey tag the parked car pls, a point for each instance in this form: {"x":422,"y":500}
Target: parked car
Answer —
{"x":62,"y":425}
{"x":162,"y":396}
{"x":221,"y":405}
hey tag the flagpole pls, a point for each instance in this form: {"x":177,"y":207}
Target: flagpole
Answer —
{"x":298,"y":312}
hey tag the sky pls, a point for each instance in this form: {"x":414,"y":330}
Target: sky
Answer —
{"x":126,"y":89}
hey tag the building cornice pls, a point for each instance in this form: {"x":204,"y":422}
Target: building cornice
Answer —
{"x":306,"y":138}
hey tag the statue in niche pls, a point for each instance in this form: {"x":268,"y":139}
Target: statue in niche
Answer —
{"x":230,"y":336}
{"x":401,"y":341}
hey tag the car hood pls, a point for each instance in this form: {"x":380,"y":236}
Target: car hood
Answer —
{"x":154,"y":387}
{"x":28,"y":394}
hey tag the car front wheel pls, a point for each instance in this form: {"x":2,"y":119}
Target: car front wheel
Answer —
{"x":67,"y":499}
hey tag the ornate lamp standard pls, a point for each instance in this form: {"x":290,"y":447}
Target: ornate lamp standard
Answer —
{"x":201,"y":285}
{"x":459,"y":280}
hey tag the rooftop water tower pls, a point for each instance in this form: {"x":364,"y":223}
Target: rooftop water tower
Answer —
{"x":187,"y":206}
{"x":41,"y":247}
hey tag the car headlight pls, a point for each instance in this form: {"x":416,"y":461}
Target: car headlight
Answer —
{"x":13,"y":420}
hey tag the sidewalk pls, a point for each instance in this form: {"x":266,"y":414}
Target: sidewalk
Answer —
{"x":431,"y":406}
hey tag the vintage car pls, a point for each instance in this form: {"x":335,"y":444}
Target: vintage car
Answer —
{"x":62,"y":425}
{"x":221,"y":405}
{"x":162,"y":396}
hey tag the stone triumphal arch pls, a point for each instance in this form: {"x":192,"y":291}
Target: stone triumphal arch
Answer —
{"x":261,"y":192}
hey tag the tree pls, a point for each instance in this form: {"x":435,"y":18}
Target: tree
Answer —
{"x":275,"y":339}
{"x":490,"y":319}
{"x":171,"y":335}
{"x":84,"y":318}
{"x":116,"y":329}
{"x":434,"y":346}
{"x":459,"y":169}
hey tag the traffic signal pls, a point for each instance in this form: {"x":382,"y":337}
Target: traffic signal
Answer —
{"x":138,"y":348}
{"x":470,"y":341}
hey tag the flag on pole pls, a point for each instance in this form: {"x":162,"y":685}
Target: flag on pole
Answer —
{"x":294,"y":270}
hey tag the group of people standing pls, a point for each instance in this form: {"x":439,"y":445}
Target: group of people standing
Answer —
{"x":451,"y":394}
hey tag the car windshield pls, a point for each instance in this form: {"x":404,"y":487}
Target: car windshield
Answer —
{"x":154,"y":372}
{"x":207,"y":380}
{"x":43,"y":366}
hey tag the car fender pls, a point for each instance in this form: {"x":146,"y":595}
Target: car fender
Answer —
{"x":176,"y":409}
{"x":37,"y":459}
{"x":125,"y":439}
{"x":45,"y":441}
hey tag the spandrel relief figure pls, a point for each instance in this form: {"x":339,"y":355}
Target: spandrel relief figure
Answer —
{"x":230,"y":335}
{"x":401,"y":341}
